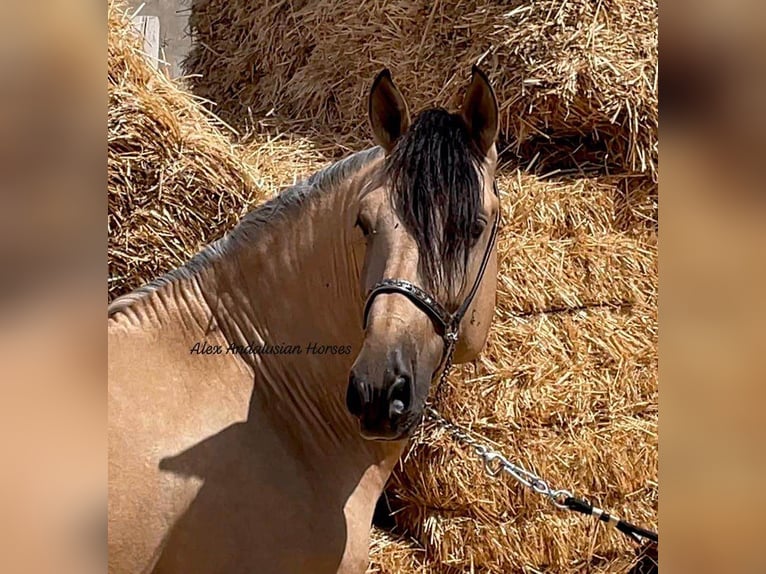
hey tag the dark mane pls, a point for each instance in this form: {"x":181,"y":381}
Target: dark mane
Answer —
{"x":437,"y":193}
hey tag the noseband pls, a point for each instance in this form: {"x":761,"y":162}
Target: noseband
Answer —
{"x":447,"y":324}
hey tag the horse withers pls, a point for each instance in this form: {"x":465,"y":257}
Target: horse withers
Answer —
{"x":260,"y":395}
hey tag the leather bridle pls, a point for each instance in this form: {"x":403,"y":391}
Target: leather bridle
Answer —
{"x":447,"y":324}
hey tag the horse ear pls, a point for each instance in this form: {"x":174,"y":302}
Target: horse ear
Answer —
{"x":389,"y":116}
{"x":480,"y":112}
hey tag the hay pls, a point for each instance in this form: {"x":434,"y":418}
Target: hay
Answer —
{"x":567,"y":384}
{"x":389,"y":555}
{"x":574,"y":73}
{"x":175,"y":181}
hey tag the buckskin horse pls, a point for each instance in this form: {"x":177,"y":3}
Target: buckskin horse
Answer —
{"x":235,"y":445}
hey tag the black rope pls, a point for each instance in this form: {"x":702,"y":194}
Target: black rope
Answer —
{"x":634,"y":532}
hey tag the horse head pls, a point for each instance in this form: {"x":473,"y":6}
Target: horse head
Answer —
{"x":429,"y":218}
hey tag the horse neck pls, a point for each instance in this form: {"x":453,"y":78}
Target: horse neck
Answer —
{"x":294,"y":282}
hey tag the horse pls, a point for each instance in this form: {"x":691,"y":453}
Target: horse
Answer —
{"x":261,"y":394}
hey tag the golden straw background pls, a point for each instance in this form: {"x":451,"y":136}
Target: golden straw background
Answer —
{"x":567,"y":385}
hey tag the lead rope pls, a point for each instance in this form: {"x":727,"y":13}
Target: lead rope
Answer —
{"x":495,"y":463}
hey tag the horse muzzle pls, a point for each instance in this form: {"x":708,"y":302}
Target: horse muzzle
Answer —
{"x":382,"y":401}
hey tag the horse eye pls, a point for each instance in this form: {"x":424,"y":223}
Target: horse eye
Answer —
{"x":478,"y":228}
{"x":361,"y":224}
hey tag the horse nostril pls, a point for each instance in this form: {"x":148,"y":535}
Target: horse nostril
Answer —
{"x":396,"y":409}
{"x":399,"y":396}
{"x":354,"y":399}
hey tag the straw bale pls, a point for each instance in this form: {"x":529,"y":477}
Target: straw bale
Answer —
{"x":570,"y":397}
{"x":390,"y":555}
{"x":173,"y":178}
{"x":577,"y":73}
{"x":577,"y":206}
{"x":175,"y":181}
